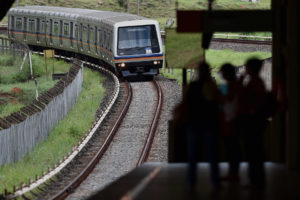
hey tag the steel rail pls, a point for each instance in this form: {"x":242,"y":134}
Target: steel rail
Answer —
{"x":90,"y":166}
{"x":150,"y":136}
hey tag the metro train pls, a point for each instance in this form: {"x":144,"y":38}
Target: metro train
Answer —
{"x":130,"y":45}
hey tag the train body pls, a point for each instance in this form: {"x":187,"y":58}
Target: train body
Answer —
{"x":130,"y":44}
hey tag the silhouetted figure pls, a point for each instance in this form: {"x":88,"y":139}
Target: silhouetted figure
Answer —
{"x":254,"y":123}
{"x":230,"y":131}
{"x":202,"y":122}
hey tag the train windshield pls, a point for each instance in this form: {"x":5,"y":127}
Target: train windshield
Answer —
{"x":137,"y":40}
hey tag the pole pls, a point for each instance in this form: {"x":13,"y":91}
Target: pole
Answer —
{"x":46,"y":66}
{"x":128,"y":6}
{"x":138,"y":7}
{"x":30,"y":63}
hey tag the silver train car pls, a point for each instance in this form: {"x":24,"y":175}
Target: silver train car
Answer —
{"x":131,"y":45}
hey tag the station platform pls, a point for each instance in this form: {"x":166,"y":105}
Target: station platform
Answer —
{"x":162,"y":181}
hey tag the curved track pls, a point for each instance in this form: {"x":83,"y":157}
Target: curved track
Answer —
{"x":62,"y":194}
{"x":147,"y":147}
{"x":133,"y":139}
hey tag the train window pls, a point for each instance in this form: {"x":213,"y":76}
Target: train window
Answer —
{"x":104,"y":39}
{"x":43,"y":26}
{"x":55,"y":29}
{"x":38,"y":25}
{"x":12,"y":22}
{"x":38,"y":29}
{"x":84,"y":34}
{"x":91,"y":38}
{"x":71,"y":30}
{"x":51,"y":26}
{"x":66,"y":29}
{"x":25,"y":23}
{"x":19,"y":23}
{"x":71,"y":34}
{"x":80,"y":32}
{"x":137,"y":40}
{"x":60,"y":28}
{"x":31,"y":25}
{"x":88,"y":34}
{"x":100,"y":37}
{"x":95,"y":36}
{"x":76,"y":31}
{"x":108,"y":41}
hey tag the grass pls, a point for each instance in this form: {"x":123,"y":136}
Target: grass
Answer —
{"x":183,"y":49}
{"x":245,"y":34}
{"x":60,"y":141}
{"x":216,"y":58}
{"x":16,"y":88}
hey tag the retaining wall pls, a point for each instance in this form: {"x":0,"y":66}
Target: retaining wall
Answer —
{"x":22,"y":130}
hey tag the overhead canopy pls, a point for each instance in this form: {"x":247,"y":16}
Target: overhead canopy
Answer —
{"x":5,"y":6}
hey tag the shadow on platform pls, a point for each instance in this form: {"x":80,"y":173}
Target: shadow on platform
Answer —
{"x":168,"y":181}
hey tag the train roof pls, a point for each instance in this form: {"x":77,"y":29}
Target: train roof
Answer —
{"x":74,"y":13}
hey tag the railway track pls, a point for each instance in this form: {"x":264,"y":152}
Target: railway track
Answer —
{"x":61,"y":181}
{"x":132,"y":143}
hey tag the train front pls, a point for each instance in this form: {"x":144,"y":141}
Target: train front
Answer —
{"x":138,"y":48}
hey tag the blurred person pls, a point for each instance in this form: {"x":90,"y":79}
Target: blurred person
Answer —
{"x":230,"y":133}
{"x":253,"y":99}
{"x":201,"y":122}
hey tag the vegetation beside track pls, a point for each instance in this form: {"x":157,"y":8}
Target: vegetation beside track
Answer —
{"x":216,"y":58}
{"x":16,"y":87}
{"x":61,"y":140}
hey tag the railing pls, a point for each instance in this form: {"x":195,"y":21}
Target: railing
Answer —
{"x":22,"y":130}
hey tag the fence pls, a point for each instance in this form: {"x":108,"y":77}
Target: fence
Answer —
{"x":22,"y":130}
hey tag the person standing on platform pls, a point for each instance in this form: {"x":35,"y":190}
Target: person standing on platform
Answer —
{"x":230,"y":107}
{"x":253,"y":98}
{"x":201,"y":100}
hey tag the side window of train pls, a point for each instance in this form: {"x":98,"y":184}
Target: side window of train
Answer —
{"x":25,"y":27}
{"x":104,"y":39}
{"x":12,"y":22}
{"x":38,"y":25}
{"x":31,"y":23}
{"x":51,"y":27}
{"x":84,"y":39}
{"x":25,"y":24}
{"x":76,"y":31}
{"x":96,"y":36}
{"x":108,"y":41}
{"x":43,"y":28}
{"x":71,"y":33}
{"x":100,"y":37}
{"x":88,"y":34}
{"x":91,"y":36}
{"x":66,"y":29}
{"x":55,"y":29}
{"x":71,"y":30}
{"x":38,"y":29}
{"x":19,"y":23}
{"x":60,"y":28}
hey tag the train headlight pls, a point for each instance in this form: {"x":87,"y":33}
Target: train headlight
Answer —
{"x":121,"y":64}
{"x":155,"y":62}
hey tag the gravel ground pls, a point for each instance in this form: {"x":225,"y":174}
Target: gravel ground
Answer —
{"x":172,"y":96}
{"x":123,"y":153}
